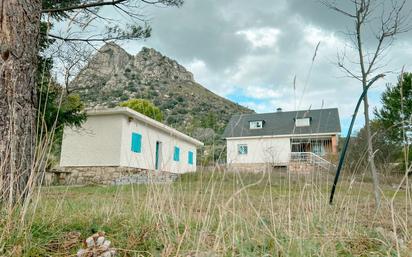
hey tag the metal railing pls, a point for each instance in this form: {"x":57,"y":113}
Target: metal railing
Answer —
{"x":311,"y":158}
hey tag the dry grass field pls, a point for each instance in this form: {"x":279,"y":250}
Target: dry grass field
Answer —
{"x":217,"y":214}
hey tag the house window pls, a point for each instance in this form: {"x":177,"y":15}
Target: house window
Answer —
{"x":242,"y":149}
{"x":176,"y":154}
{"x":318,"y":148}
{"x":136,"y":143}
{"x":258,"y":124}
{"x":302,"y":122}
{"x":190,"y":157}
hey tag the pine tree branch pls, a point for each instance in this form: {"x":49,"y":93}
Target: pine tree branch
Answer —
{"x":98,"y":3}
{"x":83,"y":6}
{"x":68,"y":39}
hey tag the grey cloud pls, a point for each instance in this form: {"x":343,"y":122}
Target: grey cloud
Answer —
{"x":206,"y":31}
{"x":198,"y":30}
{"x":315,"y":12}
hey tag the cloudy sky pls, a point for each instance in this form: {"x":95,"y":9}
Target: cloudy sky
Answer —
{"x":250,"y":52}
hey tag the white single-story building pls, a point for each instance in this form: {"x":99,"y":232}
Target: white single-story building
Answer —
{"x":280,"y":137}
{"x":121,"y":137}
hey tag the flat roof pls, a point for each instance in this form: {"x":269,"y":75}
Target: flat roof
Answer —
{"x":143,"y":118}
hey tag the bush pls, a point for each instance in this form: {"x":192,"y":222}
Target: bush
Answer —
{"x":144,"y":107}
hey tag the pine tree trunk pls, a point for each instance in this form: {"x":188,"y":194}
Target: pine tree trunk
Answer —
{"x":371,"y":158}
{"x":19,"y":40}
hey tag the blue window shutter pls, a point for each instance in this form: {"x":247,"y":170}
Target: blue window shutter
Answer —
{"x":176,"y":154}
{"x":190,"y":157}
{"x":136,"y":143}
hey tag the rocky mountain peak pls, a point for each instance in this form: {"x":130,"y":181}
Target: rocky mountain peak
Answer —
{"x":111,"y":54}
{"x":108,"y":60}
{"x":150,"y":52}
{"x":112,"y":46}
{"x":112,"y":76}
{"x":154,"y":65}
{"x":111,"y":66}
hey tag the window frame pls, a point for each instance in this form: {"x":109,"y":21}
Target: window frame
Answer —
{"x":302,"y":122}
{"x":258,"y":124}
{"x":190,"y":157}
{"x":240,"y":146}
{"x":136,"y":144}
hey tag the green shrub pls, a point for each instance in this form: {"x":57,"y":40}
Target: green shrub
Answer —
{"x":144,"y":107}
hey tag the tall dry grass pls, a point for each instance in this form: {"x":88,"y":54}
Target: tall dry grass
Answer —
{"x":213,"y":212}
{"x":219,"y":213}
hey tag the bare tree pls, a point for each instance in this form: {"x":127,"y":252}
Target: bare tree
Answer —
{"x":24,"y":25}
{"x":376,"y":25}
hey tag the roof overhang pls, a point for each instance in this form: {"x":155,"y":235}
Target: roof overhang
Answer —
{"x":144,"y":119}
{"x":286,"y":135}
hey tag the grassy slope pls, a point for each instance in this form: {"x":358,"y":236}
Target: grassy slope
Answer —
{"x":220,"y":214}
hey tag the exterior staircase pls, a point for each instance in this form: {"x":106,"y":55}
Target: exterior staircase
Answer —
{"x":308,"y":162}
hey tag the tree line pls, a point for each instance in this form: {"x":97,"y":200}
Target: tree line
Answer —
{"x":391,"y":132}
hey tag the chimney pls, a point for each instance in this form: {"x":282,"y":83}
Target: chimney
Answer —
{"x":279,"y":109}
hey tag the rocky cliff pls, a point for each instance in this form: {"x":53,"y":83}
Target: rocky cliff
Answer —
{"x":112,"y":76}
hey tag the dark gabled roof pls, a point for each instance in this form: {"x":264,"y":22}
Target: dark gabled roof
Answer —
{"x":283,"y":123}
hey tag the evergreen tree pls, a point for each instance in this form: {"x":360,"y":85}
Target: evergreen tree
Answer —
{"x":396,"y":112}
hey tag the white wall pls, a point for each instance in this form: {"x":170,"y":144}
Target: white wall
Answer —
{"x":105,"y":140}
{"x":96,"y":143}
{"x":146,"y":159}
{"x":260,"y":150}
